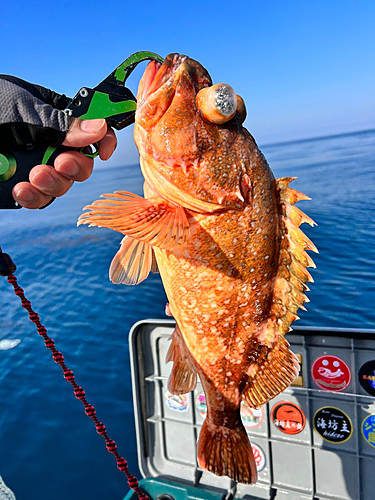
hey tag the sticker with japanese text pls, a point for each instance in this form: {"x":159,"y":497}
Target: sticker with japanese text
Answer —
{"x":332,"y":424}
{"x":368,"y":429}
{"x":177,"y":402}
{"x":288,"y":417}
{"x":259,"y":456}
{"x":366,"y":377}
{"x":331,"y":373}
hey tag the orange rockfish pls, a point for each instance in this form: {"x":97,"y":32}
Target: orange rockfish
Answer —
{"x":228,"y":246}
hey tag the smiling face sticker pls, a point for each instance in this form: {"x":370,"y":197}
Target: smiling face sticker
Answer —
{"x":331,"y":373}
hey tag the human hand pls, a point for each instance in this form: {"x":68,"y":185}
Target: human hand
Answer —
{"x":31,"y":116}
{"x":47,"y":182}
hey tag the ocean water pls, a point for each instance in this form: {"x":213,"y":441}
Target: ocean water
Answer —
{"x":48,"y":447}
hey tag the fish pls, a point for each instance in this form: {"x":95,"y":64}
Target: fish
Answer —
{"x":224,"y":235}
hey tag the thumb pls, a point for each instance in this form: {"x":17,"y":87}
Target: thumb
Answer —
{"x":84,"y":132}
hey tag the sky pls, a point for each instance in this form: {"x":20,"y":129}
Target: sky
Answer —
{"x":304,"y":68}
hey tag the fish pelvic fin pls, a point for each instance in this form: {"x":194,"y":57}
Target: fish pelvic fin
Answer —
{"x":183,"y":377}
{"x":226,"y":452}
{"x":153,"y":220}
{"x":132,"y":263}
{"x":292,"y":274}
{"x":277,"y":372}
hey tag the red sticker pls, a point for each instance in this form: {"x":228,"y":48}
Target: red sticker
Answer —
{"x":331,"y":373}
{"x":259,"y":456}
{"x":288,"y":417}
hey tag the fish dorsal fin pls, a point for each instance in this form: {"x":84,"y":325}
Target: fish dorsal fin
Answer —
{"x":132,"y":263}
{"x":280,"y":366}
{"x":153,"y":220}
{"x":292,"y":274}
{"x":277,"y":372}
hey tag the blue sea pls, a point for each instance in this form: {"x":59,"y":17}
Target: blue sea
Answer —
{"x":48,"y":447}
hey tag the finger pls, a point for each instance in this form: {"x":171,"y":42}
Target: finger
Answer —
{"x":29,"y":197}
{"x":107,"y":145}
{"x":74,"y":166}
{"x":84,"y":132}
{"x":48,"y":181}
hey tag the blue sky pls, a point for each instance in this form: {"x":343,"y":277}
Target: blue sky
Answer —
{"x":304,"y":68}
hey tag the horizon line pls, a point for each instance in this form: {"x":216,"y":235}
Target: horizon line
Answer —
{"x":320,"y":137}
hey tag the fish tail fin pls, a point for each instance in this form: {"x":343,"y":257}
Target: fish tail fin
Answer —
{"x":226,"y":452}
{"x":183,"y":377}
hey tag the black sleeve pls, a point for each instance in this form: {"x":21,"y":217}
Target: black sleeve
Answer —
{"x":30,"y":115}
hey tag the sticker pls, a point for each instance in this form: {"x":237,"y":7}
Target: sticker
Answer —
{"x":298,"y":381}
{"x":331,"y":373}
{"x":368,"y":429}
{"x":251,"y":418}
{"x":177,"y":402}
{"x":366,"y":377}
{"x":288,"y":417}
{"x":260,"y":458}
{"x":332,"y":424}
{"x":200,"y":404}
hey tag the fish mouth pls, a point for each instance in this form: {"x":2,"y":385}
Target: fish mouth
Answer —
{"x":156,"y":74}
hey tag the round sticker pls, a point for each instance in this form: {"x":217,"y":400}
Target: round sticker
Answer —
{"x":251,"y":418}
{"x":368,"y":429}
{"x":177,"y":402}
{"x":366,"y":377}
{"x":288,"y":417}
{"x":331,"y":373}
{"x":332,"y":424}
{"x":200,"y":404}
{"x":260,"y":458}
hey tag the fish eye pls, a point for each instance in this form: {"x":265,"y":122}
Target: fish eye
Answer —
{"x":218,"y":103}
{"x":241,"y":109}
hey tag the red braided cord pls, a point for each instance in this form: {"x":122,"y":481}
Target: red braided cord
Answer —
{"x":78,"y":391}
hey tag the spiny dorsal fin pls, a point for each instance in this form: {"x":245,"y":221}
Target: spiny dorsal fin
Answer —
{"x":292,"y":274}
{"x":153,"y":220}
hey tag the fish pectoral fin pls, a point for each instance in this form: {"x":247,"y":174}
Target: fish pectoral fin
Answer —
{"x":153,"y":220}
{"x":183,"y":377}
{"x":226,"y":452}
{"x":281,"y":367}
{"x":154,"y":264}
{"x":132,"y":263}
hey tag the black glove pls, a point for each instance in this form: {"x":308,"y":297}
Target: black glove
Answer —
{"x":30,"y":115}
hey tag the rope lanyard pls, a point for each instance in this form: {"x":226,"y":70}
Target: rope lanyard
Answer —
{"x":69,"y":376}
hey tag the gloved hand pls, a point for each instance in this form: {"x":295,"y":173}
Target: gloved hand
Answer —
{"x":31,"y":115}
